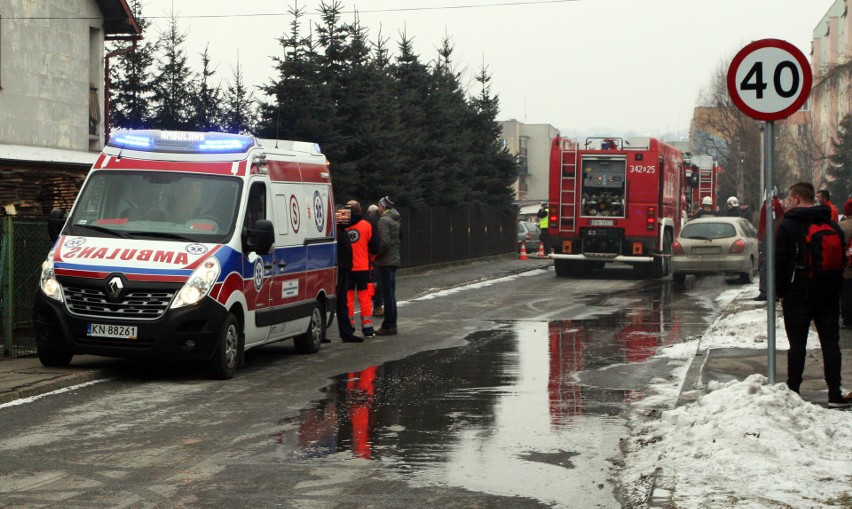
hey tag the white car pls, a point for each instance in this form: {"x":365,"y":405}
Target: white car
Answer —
{"x":716,"y":245}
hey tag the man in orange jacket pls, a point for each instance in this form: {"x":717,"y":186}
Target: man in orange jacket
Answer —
{"x":365,"y":242}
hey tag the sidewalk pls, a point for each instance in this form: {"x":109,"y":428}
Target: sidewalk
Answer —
{"x":723,"y":364}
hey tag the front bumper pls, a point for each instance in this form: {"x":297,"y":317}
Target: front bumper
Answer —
{"x":180,"y":334}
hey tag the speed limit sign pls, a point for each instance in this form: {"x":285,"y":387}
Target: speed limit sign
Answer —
{"x":769,"y":79}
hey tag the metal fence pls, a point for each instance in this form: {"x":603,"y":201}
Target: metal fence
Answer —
{"x":23,"y":246}
{"x":429,"y":236}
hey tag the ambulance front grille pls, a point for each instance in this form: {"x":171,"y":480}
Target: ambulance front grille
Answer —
{"x":139,"y":304}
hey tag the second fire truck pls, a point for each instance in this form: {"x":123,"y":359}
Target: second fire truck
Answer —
{"x":615,"y":200}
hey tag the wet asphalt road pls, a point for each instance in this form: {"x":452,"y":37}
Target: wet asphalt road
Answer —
{"x":503,"y":393}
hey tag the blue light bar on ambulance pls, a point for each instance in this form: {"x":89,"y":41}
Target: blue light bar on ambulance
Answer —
{"x":181,"y":142}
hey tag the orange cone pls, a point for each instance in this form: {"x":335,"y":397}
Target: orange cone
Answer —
{"x":523,"y":255}
{"x":541,"y":250}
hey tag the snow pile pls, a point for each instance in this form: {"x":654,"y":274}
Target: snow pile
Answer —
{"x":742,"y":443}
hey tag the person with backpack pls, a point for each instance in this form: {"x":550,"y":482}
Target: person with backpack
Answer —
{"x":809,"y":261}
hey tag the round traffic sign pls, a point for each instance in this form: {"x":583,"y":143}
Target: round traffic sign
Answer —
{"x":769,"y":79}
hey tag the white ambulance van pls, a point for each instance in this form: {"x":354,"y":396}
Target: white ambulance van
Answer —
{"x":189,"y":245}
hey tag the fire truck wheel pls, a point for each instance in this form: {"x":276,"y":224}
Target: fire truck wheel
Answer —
{"x":662,"y":266}
{"x":223,"y":365}
{"x":310,"y":341}
{"x":54,"y":358}
{"x":562,"y":268}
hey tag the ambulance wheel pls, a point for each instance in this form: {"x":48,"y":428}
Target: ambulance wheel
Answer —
{"x":310,"y":341}
{"x":54,"y":358}
{"x":223,"y":365}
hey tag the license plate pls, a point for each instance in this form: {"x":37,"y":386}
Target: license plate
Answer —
{"x":112,"y":331}
{"x":706,"y":250}
{"x":602,"y":222}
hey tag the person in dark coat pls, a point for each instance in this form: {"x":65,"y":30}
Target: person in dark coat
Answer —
{"x":777,"y":217}
{"x":805,"y":296}
{"x":344,"y":269}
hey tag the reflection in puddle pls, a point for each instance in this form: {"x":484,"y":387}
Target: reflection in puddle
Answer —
{"x":503,"y":414}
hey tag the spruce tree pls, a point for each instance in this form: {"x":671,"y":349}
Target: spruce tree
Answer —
{"x":173,"y":82}
{"x":130,"y":81}
{"x":206,"y":112}
{"x":841,"y":161}
{"x":238,"y":113}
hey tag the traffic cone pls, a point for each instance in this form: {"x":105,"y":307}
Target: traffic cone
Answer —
{"x":541,"y":250}
{"x":523,"y":255}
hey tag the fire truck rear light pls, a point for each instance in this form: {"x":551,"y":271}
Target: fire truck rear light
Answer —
{"x":567,"y":246}
{"x":652,"y":217}
{"x":677,"y":248}
{"x":637,"y":248}
{"x":553,"y":219}
{"x":738,"y":247}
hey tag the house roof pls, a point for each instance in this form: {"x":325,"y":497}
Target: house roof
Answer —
{"x":118,"y":18}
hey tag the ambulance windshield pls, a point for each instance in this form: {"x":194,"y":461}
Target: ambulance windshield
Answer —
{"x":151,"y":204}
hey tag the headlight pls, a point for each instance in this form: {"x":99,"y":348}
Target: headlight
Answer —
{"x":199,"y":283}
{"x":48,"y":283}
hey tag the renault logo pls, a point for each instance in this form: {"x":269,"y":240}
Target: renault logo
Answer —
{"x":114,"y":287}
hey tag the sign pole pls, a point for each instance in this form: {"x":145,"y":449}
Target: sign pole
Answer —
{"x":769,"y":80}
{"x":769,"y":236}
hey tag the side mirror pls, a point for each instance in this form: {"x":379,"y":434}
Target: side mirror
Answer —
{"x":55,"y":222}
{"x":260,"y":238}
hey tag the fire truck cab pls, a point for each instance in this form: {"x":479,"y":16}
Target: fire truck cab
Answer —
{"x":191,"y":246}
{"x":615,"y":200}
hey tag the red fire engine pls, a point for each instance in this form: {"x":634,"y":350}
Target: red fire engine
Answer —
{"x":701,"y":171}
{"x":615,"y":200}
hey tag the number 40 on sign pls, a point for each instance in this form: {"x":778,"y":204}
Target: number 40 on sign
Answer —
{"x":769,"y":79}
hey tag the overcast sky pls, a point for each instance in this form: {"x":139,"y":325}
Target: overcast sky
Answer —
{"x":587,"y":67}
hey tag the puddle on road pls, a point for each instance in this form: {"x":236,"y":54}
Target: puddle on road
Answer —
{"x":503,"y":414}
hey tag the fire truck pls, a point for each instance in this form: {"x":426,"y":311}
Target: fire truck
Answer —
{"x":615,"y":200}
{"x":700,"y":172}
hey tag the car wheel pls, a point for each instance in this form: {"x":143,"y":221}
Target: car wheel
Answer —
{"x":748,"y":276}
{"x":679,"y":277}
{"x":223,"y":365}
{"x":310,"y":341}
{"x":54,"y":358}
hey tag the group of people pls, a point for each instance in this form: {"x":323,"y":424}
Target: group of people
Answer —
{"x":812,"y":280}
{"x":367,"y":257}
{"x":734,"y":209}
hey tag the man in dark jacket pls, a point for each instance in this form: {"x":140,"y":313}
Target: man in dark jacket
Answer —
{"x":806,"y":295}
{"x":388,"y":260}
{"x":344,"y":268}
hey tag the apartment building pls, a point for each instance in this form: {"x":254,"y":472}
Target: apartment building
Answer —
{"x":530,"y":144}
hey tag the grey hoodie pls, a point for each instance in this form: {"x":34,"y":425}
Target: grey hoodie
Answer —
{"x":389,"y":225}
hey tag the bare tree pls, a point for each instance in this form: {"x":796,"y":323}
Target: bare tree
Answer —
{"x":721,"y":130}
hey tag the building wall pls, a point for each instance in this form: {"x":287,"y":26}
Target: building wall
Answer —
{"x":48,"y":69}
{"x":830,"y":98}
{"x":530,"y":142}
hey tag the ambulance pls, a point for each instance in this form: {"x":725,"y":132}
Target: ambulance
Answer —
{"x":191,"y":246}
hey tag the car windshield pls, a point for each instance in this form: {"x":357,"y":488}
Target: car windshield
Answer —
{"x":154,"y":204}
{"x":708,"y":231}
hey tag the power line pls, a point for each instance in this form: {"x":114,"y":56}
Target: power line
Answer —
{"x":270,"y":14}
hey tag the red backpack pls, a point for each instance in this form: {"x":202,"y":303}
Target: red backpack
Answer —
{"x":824,"y":250}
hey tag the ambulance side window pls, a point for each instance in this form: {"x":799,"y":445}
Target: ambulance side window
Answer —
{"x":256,"y":207}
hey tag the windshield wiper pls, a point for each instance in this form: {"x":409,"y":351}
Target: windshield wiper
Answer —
{"x":104,"y":230}
{"x":165,"y":235}
{"x":699,"y":237}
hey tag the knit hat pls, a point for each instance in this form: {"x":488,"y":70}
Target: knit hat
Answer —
{"x":386,"y":203}
{"x":847,"y":208}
